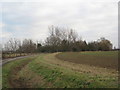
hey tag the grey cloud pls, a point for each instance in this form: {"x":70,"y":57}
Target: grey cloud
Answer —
{"x":90,"y":19}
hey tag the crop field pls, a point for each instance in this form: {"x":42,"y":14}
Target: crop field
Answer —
{"x":62,"y":70}
{"x":103,"y":59}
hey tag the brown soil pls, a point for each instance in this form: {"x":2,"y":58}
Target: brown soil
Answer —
{"x":104,"y":61}
{"x":14,"y":81}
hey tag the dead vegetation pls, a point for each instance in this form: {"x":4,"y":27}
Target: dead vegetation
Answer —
{"x":82,"y":68}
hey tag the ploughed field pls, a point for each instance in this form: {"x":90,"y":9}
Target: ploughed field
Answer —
{"x":105,"y":59}
{"x":62,"y":70}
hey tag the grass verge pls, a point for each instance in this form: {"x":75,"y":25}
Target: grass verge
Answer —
{"x":7,"y":71}
{"x":66,"y":78}
{"x":45,"y":71}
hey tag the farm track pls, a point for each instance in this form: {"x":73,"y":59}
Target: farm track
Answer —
{"x":13,"y":80}
{"x":5,"y":61}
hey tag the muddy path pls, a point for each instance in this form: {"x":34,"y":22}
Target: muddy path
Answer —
{"x":14,"y":80}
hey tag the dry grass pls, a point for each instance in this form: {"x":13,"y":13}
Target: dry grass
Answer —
{"x":6,"y":56}
{"x":82,"y":68}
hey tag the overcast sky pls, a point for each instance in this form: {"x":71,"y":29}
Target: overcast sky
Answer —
{"x":92,"y":19}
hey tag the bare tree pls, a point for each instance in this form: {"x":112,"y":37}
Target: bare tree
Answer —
{"x":11,"y":45}
{"x":59,"y":36}
{"x":28,"y":46}
{"x":72,"y":36}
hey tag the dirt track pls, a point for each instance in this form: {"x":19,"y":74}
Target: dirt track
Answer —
{"x":11,"y":59}
{"x":14,"y":81}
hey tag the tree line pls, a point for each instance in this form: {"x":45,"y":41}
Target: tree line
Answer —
{"x":61,"y":40}
{"x":14,"y":45}
{"x":58,"y":40}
